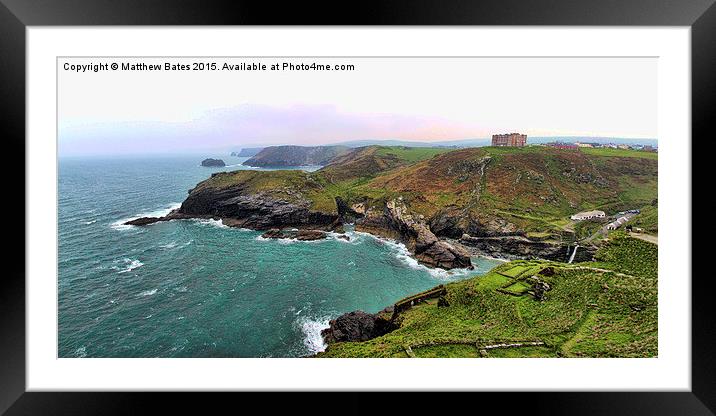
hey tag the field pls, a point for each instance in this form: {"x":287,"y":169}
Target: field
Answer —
{"x":601,"y":151}
{"x":602,"y":309}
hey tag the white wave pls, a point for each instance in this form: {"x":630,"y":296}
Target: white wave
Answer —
{"x":120,"y":224}
{"x":311,"y":328}
{"x":90,"y":222}
{"x":129,"y":265}
{"x":402,"y":253}
{"x":170,"y":245}
{"x":210,"y":222}
{"x":81,"y":352}
{"x":148,"y":292}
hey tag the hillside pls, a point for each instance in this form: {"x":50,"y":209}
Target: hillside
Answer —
{"x":523,"y":309}
{"x":283,"y":156}
{"x":510,"y":202}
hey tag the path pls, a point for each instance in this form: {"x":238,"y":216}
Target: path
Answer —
{"x":646,"y":237}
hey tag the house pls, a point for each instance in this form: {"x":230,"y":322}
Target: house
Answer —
{"x":587,"y":215}
{"x":618,"y":223}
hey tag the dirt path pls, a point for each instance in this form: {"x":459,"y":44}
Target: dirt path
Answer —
{"x":646,"y":237}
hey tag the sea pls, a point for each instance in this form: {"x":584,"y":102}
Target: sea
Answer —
{"x":196,"y":288}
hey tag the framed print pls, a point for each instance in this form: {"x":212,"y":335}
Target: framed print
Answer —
{"x":425,"y":198}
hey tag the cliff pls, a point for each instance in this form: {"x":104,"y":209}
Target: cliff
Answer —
{"x":282,"y":156}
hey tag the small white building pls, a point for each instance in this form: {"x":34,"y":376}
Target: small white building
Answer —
{"x":587,"y":215}
{"x":618,"y":223}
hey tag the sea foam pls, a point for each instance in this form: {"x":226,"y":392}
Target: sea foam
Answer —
{"x":311,"y":328}
{"x":129,"y":265}
{"x":120,"y":224}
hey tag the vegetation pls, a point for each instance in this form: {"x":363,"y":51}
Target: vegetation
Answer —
{"x":534,"y":188}
{"x":606,"y":151}
{"x":604,"y":309}
{"x":412,"y":154}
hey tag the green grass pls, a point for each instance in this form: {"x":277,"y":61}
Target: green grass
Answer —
{"x":586,"y":313}
{"x":647,"y":219}
{"x":412,"y":154}
{"x":601,"y":151}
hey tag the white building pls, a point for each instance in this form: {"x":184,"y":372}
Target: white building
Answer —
{"x":618,"y":223}
{"x":587,"y":215}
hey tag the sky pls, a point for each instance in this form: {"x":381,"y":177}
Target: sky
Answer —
{"x":417,"y":99}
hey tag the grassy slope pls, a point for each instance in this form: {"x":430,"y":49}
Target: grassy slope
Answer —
{"x":536,"y":188}
{"x":586,"y":314}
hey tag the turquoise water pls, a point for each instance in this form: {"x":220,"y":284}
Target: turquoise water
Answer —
{"x":197,"y":288}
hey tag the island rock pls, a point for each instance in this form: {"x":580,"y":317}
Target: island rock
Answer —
{"x":213,"y":162}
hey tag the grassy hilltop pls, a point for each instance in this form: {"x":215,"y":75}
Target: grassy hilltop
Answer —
{"x":534,"y":189}
{"x":602,"y":309}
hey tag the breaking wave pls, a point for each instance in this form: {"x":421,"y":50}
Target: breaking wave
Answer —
{"x":120,"y":224}
{"x":311,"y":328}
{"x":148,"y":292}
{"x":129,"y":265}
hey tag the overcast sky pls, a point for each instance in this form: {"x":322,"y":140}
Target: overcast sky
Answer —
{"x":425,"y":99}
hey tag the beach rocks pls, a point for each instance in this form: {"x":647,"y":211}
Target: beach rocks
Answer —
{"x":356,"y":326}
{"x":301,"y":235}
{"x":213,"y":162}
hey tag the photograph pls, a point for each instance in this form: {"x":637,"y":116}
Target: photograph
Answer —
{"x":346,"y":207}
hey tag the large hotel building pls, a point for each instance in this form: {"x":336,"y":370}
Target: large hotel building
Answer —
{"x":511,"y":139}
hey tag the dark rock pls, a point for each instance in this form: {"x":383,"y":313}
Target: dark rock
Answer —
{"x":539,"y":288}
{"x":144,"y":221}
{"x":301,"y":235}
{"x":310,"y":235}
{"x":356,"y":326}
{"x":213,"y":162}
{"x":273,"y":233}
{"x":547,"y":271}
{"x":398,"y":223}
{"x":442,"y":302}
{"x":254,"y":210}
{"x":344,"y":237}
{"x":519,"y":247}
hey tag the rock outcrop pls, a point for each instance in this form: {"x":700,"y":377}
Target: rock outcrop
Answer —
{"x":398,"y":223}
{"x":255,"y":210}
{"x":356,"y":326}
{"x":301,"y":235}
{"x":213,"y":162}
{"x":518,"y":247}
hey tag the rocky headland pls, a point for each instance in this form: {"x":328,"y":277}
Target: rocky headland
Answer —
{"x":443,"y":205}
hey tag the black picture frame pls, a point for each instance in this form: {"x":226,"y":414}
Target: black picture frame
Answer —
{"x":16,"y":15}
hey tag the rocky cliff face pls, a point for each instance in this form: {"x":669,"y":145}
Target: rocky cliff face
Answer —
{"x":356,"y":326}
{"x":518,"y":247}
{"x":398,"y":223}
{"x":259,"y":211}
